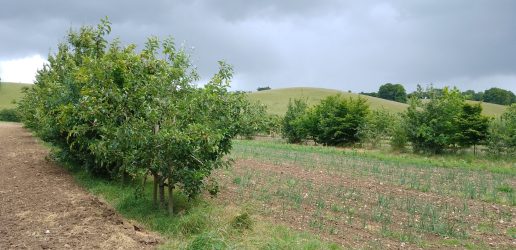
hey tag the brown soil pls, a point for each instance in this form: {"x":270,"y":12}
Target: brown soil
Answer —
{"x":41,"y":207}
{"x":355,"y":235}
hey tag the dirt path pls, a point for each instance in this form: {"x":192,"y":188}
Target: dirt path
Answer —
{"x":41,"y":206}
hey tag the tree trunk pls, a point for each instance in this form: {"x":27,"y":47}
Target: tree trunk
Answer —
{"x":162,"y":193}
{"x":155,"y":190}
{"x":170,"y":198}
{"x":157,"y":180}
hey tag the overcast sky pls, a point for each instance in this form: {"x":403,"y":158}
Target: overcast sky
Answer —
{"x":345,"y":45}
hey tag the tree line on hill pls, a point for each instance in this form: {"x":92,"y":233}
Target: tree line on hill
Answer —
{"x":396,"y":92}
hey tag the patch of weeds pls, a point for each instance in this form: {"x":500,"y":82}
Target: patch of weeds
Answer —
{"x":194,"y":222}
{"x":485,"y":228}
{"x":505,"y":188}
{"x":512,"y":232}
{"x":242,"y":222}
{"x":320,"y":204}
{"x":207,"y":241}
{"x":451,"y":242}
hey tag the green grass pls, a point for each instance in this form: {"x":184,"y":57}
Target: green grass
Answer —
{"x":10,"y":92}
{"x":277,"y":100}
{"x":199,"y":224}
{"x":465,"y":162}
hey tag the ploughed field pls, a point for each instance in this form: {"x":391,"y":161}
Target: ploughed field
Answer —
{"x":362,"y":200}
{"x":42,"y":207}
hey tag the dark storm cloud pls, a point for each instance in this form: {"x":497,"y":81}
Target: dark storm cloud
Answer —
{"x":354,"y":45}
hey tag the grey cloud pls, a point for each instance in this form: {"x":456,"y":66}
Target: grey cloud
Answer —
{"x":354,"y":45}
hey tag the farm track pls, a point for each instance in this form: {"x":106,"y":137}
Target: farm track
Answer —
{"x":41,"y":207}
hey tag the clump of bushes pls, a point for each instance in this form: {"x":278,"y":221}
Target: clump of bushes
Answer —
{"x":242,"y":221}
{"x":336,"y":121}
{"x":9,"y":115}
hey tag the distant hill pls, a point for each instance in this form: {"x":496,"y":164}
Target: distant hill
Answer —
{"x":9,"y":92}
{"x":277,"y":100}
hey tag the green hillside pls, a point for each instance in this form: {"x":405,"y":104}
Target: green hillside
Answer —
{"x":277,"y":100}
{"x":9,"y":92}
{"x":491,"y":109}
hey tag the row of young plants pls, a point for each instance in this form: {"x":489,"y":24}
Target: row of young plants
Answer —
{"x":120,"y":112}
{"x":443,"y":123}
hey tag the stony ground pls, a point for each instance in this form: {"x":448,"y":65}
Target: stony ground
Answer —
{"x":41,"y":207}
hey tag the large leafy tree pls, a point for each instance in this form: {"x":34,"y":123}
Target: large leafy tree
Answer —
{"x":432,"y":126}
{"x":118,"y":112}
{"x":499,"y":96}
{"x":394,"y":92}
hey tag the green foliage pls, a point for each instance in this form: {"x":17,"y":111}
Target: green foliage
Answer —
{"x":377,"y":127}
{"x":336,"y":120}
{"x":499,"y":96}
{"x":263,"y":88}
{"x":432,"y":126}
{"x":9,"y":115}
{"x":502,"y":134}
{"x":394,"y":92}
{"x":472,"y":126}
{"x":398,"y":134}
{"x":121,"y":112}
{"x":445,"y":122}
{"x":242,"y":221}
{"x":254,"y":119}
{"x":292,"y":129}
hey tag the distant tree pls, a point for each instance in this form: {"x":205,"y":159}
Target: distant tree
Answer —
{"x":336,"y":120}
{"x":472,"y":126}
{"x":263,"y":88}
{"x":254,"y":119}
{"x":479,"y":96}
{"x":394,"y":92}
{"x":292,"y":129}
{"x":469,"y":94}
{"x":432,"y":126}
{"x":377,"y":127}
{"x":428,"y":93}
{"x":373,"y":94}
{"x":499,"y":96}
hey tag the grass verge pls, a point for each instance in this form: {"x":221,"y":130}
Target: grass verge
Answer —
{"x":200,"y":224}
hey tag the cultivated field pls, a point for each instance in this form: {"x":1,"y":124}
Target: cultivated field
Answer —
{"x":277,"y":100}
{"x":376,"y":200}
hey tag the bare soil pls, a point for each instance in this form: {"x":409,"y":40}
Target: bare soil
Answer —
{"x":41,"y":207}
{"x":357,"y":235}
